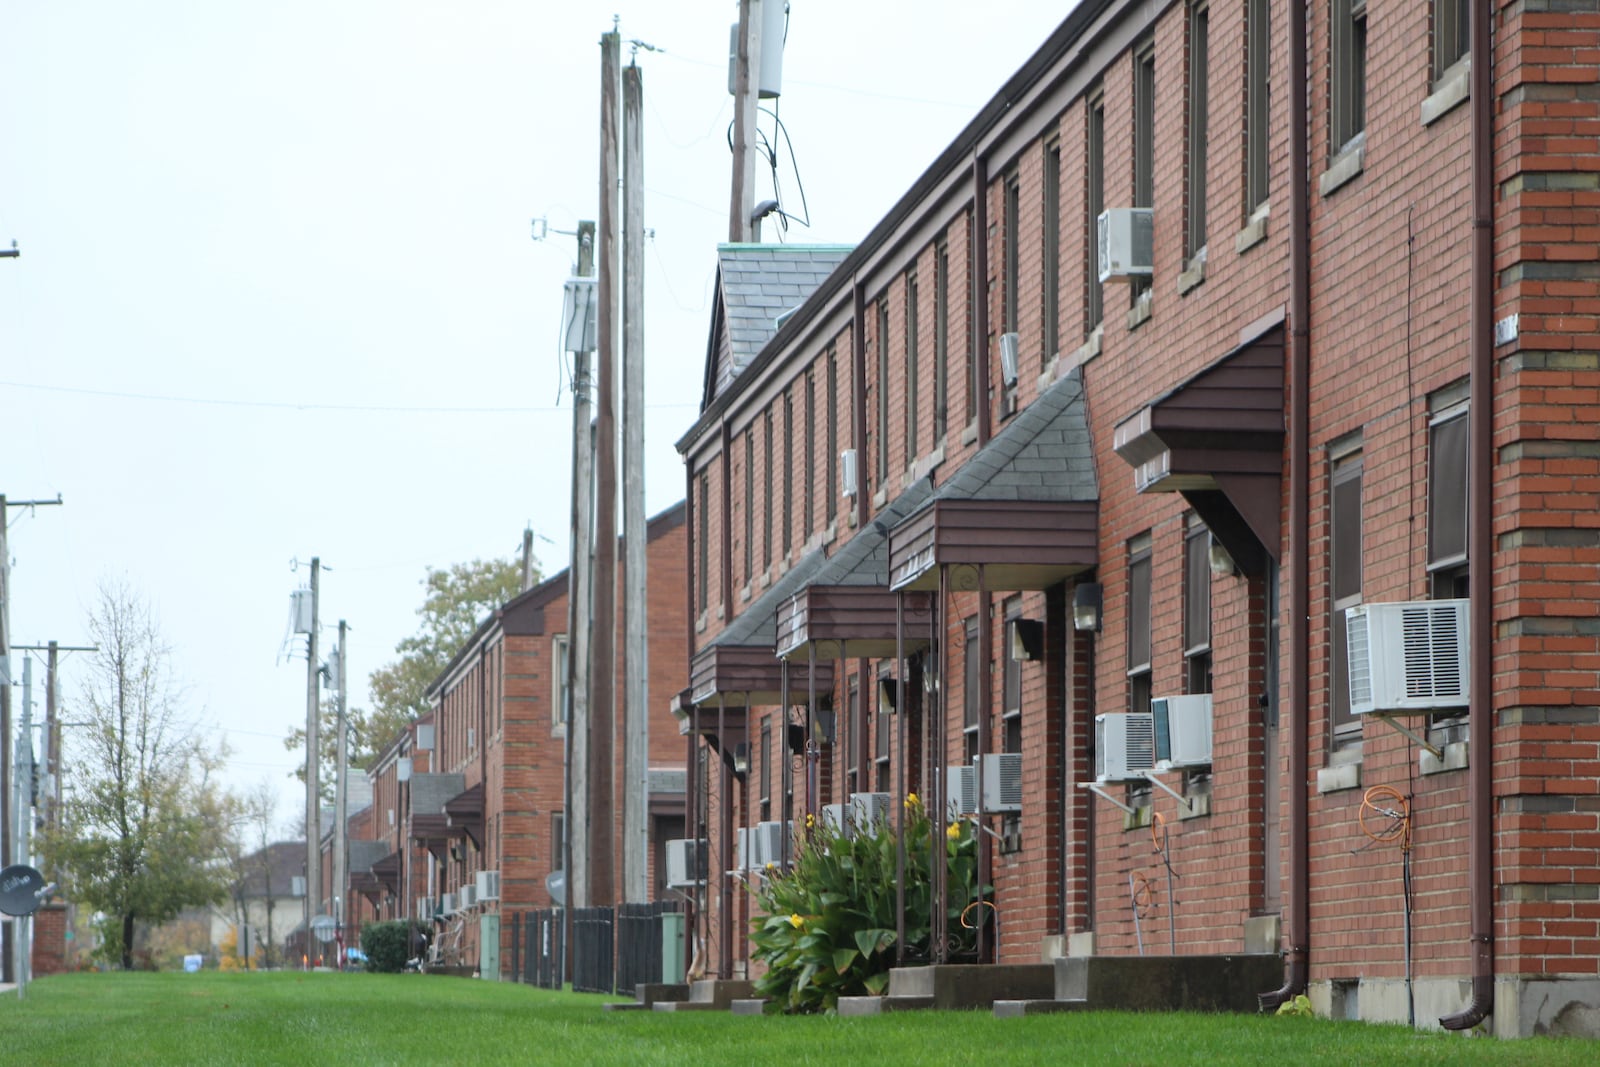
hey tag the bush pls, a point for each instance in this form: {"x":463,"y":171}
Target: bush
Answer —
{"x":829,"y":928}
{"x":386,"y":945}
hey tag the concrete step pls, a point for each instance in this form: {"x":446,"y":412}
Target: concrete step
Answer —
{"x":1016,"y":1009}
{"x":907,"y":1002}
{"x":686,"y":1005}
{"x":748,"y":1006}
{"x":860,"y":1005}
{"x":720,"y":991}
{"x":629,"y":1005}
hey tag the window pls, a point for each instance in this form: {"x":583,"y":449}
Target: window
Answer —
{"x":788,"y":473}
{"x":831,"y":407}
{"x":1452,"y":34}
{"x":1256,"y":103}
{"x":1011,"y":669}
{"x":1344,"y":589}
{"x":1144,"y":145}
{"x":749,"y":504}
{"x":884,"y":729}
{"x":764,"y":768}
{"x":1347,"y":106}
{"x":767,"y":488}
{"x":858,"y":738}
{"x":912,"y":370}
{"x":1051,"y":237}
{"x":703,"y":557}
{"x":558,"y":840}
{"x":1094,"y":183}
{"x":561,"y":690}
{"x":1139,"y":624}
{"x":1197,"y":607}
{"x":1013,"y":257}
{"x":972,"y":694}
{"x":808,"y":442}
{"x":941,"y":343}
{"x":1199,"y":115}
{"x":883,"y":392}
{"x":975,"y":292}
{"x":1447,"y":502}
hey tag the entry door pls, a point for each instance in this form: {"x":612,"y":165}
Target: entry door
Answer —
{"x":489,"y":947}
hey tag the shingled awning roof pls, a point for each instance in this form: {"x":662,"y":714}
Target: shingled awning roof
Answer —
{"x":465,"y":812}
{"x":756,"y":285}
{"x":1025,"y":507}
{"x":740,"y":662}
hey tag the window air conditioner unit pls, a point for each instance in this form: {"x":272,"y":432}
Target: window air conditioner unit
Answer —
{"x":467,"y":896}
{"x":447,"y":904}
{"x":961,"y":790}
{"x":869,"y":812}
{"x":770,"y":843}
{"x":847,"y":472}
{"x":834,"y":817}
{"x":488,"y":886}
{"x":744,"y":850}
{"x":1182,"y":730}
{"x":1124,"y":746}
{"x":1002,"y":782}
{"x":1408,"y":656}
{"x":1127,"y":240}
{"x":427,"y":907}
{"x":686,"y":863}
{"x":1008,"y":357}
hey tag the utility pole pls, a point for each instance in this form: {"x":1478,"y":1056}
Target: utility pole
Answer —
{"x":636,"y":722}
{"x":576,"y":714}
{"x":746,"y":93}
{"x":313,"y":785}
{"x":8,"y":927}
{"x":527,"y":559}
{"x":602,"y":684}
{"x":341,"y":664}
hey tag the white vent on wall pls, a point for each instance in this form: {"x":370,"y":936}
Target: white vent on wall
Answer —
{"x":1002,"y":782}
{"x":425,"y":737}
{"x":835,"y":819}
{"x":869,"y":812}
{"x":1127,"y":242}
{"x":961,"y":790}
{"x":488,"y":886}
{"x":1008,"y":358}
{"x":1124,"y":746}
{"x":847,"y":472}
{"x":1408,"y":656}
{"x":685,"y":863}
{"x":1182,"y":730}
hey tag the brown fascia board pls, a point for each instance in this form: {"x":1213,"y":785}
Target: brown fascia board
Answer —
{"x":959,"y":152}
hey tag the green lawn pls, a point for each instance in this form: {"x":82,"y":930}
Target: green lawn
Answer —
{"x":297,"y":1019}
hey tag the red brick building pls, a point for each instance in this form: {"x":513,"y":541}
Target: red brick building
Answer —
{"x":1344,"y":356}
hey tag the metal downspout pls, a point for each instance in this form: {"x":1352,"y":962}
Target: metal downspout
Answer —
{"x":1480,"y":549}
{"x":1298,"y":932}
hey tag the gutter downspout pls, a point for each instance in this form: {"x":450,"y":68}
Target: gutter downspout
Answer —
{"x":1480,"y":548}
{"x":980,"y":296}
{"x":1298,"y":932}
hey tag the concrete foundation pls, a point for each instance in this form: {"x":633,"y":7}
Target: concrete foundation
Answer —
{"x":1565,"y":1007}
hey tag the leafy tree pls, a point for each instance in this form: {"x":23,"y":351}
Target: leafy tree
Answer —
{"x":144,"y":824}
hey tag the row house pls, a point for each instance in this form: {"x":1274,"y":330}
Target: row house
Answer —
{"x":477,"y":788}
{"x":389,"y":874}
{"x":1193,"y":480}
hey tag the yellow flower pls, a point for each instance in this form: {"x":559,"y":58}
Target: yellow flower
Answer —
{"x":811,"y":820}
{"x":911,"y":800}
{"x":954,"y":831}
{"x":796,"y":922}
{"x":772,"y":866}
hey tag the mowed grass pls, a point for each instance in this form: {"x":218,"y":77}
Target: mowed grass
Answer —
{"x":88,"y":1019}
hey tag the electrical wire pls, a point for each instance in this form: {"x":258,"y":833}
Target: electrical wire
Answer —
{"x":1385,"y":802}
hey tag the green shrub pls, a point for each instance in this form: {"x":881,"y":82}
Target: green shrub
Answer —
{"x":829,"y":926}
{"x":386,"y":945}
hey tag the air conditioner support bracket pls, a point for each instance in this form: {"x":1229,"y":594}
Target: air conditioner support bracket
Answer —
{"x":978,"y":825}
{"x":1094,"y":787}
{"x":1432,"y":748}
{"x":1153,"y":778}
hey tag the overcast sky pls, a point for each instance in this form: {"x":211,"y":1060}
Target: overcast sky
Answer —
{"x":278,"y":295}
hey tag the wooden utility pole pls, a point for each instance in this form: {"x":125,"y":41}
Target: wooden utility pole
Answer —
{"x":636,"y":723}
{"x":341,"y":905}
{"x":313,"y":800}
{"x":575,"y":807}
{"x":746,"y":93}
{"x":602,"y":687}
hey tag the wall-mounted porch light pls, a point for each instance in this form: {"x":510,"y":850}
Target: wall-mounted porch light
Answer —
{"x":1086,"y":607}
{"x":1025,"y":639}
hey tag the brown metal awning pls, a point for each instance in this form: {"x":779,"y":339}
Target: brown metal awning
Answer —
{"x":744,"y":676}
{"x":1218,"y":440}
{"x":465,"y":812}
{"x":387,"y":872}
{"x":842,"y":621}
{"x":1021,"y":544}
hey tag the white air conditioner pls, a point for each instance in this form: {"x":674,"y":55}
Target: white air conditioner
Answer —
{"x":1408,"y":656}
{"x":1002,"y":782}
{"x":427,"y":907}
{"x":447,"y":904}
{"x":1124,"y":746}
{"x":1009,"y":343}
{"x":744,"y":850}
{"x":834,"y":817}
{"x":771,"y":845}
{"x":1127,"y":242}
{"x":1182,"y":730}
{"x":847,"y":472}
{"x":467,"y":897}
{"x":961,"y":790}
{"x":488,"y":886}
{"x":869,"y":812}
{"x":686,"y":863}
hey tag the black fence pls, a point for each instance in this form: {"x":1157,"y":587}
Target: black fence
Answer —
{"x":593,"y":950}
{"x":613,"y":949}
{"x":639,"y":942}
{"x":538,"y":960}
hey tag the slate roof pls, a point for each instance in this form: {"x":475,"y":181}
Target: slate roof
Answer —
{"x":430,"y":791}
{"x":865,"y":560}
{"x":758,"y":623}
{"x":756,"y":283}
{"x":363,"y":854}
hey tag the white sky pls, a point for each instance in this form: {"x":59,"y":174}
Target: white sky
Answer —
{"x":243,"y":226}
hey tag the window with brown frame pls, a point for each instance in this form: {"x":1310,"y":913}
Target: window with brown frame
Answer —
{"x":1197,"y":607}
{"x":913,"y":371}
{"x":1344,"y":589}
{"x":1347,"y":82}
{"x":1050,"y":239}
{"x":1199,"y":121}
{"x":941,"y":344}
{"x":1094,"y":188}
{"x":1257,"y":99}
{"x":831,"y":491}
{"x":1139,"y":624}
{"x":881,"y":445}
{"x":1452,"y":34}
{"x":1144,"y":146}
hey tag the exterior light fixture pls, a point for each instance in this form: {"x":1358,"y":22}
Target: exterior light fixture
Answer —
{"x":1086,"y":607}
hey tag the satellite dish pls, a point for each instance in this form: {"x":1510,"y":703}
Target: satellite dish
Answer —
{"x":556,"y":883}
{"x":324,"y":927}
{"x":22,"y":890}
